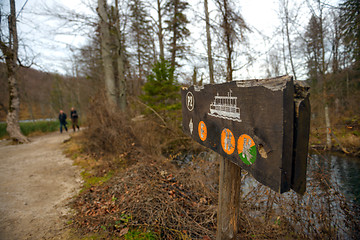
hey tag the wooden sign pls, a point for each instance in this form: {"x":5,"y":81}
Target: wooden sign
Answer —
{"x":256,"y":124}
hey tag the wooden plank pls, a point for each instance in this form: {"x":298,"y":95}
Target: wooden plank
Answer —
{"x":229,"y":200}
{"x":249,"y":122}
{"x":302,"y":111}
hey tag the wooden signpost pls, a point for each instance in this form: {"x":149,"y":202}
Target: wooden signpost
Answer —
{"x":259,"y":125}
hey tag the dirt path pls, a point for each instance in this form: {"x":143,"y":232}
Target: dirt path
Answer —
{"x":36,"y":182}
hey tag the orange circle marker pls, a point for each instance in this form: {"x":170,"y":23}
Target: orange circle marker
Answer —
{"x":227,"y":141}
{"x":202,"y":130}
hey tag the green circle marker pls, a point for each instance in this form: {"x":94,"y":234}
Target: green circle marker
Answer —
{"x":246,"y":149}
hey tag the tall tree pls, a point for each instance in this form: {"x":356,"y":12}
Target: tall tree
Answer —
{"x":208,"y":41}
{"x":112,"y":54}
{"x":10,"y":53}
{"x":159,"y":9}
{"x":335,"y":41}
{"x":286,"y":31}
{"x":120,"y":61}
{"x":316,"y":34}
{"x":350,"y":19}
{"x":141,"y":35}
{"x":233,"y":28}
{"x":176,"y":26}
{"x":313,"y":49}
{"x":106,"y":53}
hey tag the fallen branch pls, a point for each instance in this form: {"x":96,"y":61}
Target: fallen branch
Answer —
{"x":153,"y":110}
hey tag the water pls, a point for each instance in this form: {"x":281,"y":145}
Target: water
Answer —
{"x":342,"y":170}
{"x":332,"y":197}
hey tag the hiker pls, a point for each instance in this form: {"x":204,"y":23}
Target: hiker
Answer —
{"x":74,"y":119}
{"x":62,"y":119}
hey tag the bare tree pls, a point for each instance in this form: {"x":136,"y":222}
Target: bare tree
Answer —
{"x":233,"y":28}
{"x":160,"y":29}
{"x":286,"y":24}
{"x":10,"y":53}
{"x":208,"y":41}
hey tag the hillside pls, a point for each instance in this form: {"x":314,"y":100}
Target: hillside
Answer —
{"x":42,"y":94}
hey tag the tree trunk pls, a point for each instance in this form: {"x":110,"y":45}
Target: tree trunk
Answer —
{"x":120,"y":64}
{"x":228,"y":40}
{"x":175,"y":36}
{"x":208,"y":39}
{"x":328,"y":127}
{"x":324,"y":82}
{"x":283,"y":51}
{"x":11,"y":54}
{"x":160,"y":33}
{"x":105,"y":41}
{"x":286,"y":10}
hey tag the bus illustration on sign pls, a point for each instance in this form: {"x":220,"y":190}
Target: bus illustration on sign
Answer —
{"x":225,"y":107}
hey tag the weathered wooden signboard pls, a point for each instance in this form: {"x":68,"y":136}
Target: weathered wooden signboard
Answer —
{"x":260,"y":125}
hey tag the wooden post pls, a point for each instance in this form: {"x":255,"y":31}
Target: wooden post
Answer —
{"x":229,"y":200}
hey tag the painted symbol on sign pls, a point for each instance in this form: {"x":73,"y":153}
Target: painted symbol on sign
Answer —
{"x":247,"y":149}
{"x":228,"y":141}
{"x":202,"y":131}
{"x":191,"y":126}
{"x":225,"y":107}
{"x":190,"y":101}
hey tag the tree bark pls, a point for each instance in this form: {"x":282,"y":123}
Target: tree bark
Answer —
{"x":228,"y":41}
{"x":208,"y":39}
{"x":105,"y":42}
{"x":120,"y":64}
{"x":11,"y":55}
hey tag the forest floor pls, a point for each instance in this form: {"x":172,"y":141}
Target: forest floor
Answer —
{"x":36,"y":183}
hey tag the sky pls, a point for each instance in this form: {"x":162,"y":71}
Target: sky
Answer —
{"x":49,"y":42}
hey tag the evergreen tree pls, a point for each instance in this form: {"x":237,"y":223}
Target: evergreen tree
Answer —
{"x":176,"y":26}
{"x":350,"y":19}
{"x":161,"y":91}
{"x":313,"y":49}
{"x":141,"y":35}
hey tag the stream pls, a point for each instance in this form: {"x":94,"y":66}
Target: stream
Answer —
{"x":327,"y":175}
{"x":342,"y":170}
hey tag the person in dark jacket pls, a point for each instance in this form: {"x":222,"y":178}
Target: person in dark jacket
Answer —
{"x":62,"y":119}
{"x":74,"y":119}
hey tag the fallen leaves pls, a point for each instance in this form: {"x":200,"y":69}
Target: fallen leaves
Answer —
{"x":144,"y":195}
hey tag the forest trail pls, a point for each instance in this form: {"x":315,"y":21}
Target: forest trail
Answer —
{"x":36,"y":183}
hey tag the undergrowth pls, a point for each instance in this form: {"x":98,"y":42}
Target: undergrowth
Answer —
{"x":134,"y":189}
